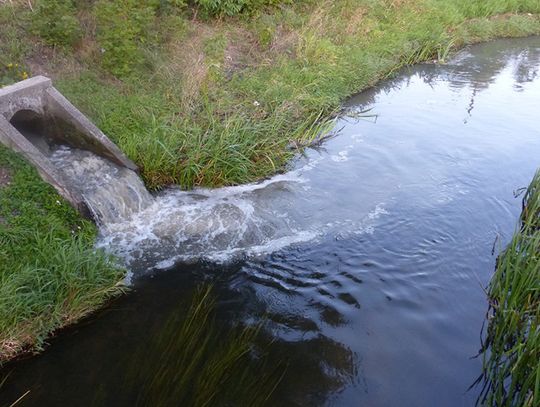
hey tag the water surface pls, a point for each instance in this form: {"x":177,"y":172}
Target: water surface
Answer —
{"x":366,"y":260}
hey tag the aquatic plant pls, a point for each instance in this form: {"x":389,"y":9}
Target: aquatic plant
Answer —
{"x":511,"y":346}
{"x":16,"y":402}
{"x":200,"y":366}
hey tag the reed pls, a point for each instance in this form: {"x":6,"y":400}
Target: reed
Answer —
{"x":511,"y":346}
{"x":200,"y":366}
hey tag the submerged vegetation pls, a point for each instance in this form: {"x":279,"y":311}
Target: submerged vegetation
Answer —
{"x":50,"y":275}
{"x":199,"y":366}
{"x":512,"y":341}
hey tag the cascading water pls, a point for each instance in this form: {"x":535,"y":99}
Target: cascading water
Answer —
{"x":112,"y":193}
{"x":227,"y":223}
{"x":211,"y":224}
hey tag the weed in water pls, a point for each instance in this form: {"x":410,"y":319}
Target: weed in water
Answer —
{"x":201,"y":366}
{"x":511,"y":344}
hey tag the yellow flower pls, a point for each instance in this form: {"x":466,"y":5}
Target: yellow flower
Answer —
{"x":24,"y":75}
{"x":10,"y":65}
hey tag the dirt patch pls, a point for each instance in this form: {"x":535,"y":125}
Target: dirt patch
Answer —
{"x":47,"y":61}
{"x":5,"y":177}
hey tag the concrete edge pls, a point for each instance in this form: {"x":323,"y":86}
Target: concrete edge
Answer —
{"x":11,"y":138}
{"x":56,"y":105}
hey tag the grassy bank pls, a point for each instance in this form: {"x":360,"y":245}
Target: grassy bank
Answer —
{"x":201,"y":92}
{"x":50,"y":275}
{"x":512,"y":340}
{"x":198,"y":97}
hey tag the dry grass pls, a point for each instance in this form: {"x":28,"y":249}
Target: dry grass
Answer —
{"x":186,"y":66}
{"x":355,"y":23}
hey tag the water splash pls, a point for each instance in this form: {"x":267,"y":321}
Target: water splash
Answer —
{"x":218,"y":225}
{"x":112,"y":193}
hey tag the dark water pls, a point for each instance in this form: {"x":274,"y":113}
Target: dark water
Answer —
{"x":367,"y":260}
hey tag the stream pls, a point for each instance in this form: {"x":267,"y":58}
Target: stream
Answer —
{"x":366,"y":260}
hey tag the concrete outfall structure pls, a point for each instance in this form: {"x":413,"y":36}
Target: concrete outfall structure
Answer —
{"x":34,"y":103}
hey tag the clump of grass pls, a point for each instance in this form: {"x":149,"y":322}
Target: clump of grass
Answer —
{"x":50,"y":274}
{"x":511,"y":346}
{"x":200,"y":366}
{"x":55,"y":22}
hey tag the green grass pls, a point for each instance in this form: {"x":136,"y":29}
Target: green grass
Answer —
{"x":512,"y":341}
{"x":200,"y":365}
{"x":220,"y":102}
{"x":50,"y":275}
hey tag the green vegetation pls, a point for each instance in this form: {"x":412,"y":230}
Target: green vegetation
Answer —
{"x":512,"y":341}
{"x":200,"y":92}
{"x":12,"y":73}
{"x":199,"y":366}
{"x":50,"y":275}
{"x":230,"y":100}
{"x":56,"y":23}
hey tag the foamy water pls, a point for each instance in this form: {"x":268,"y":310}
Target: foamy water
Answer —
{"x":218,"y":225}
{"x":111,"y":192}
{"x":225,"y":224}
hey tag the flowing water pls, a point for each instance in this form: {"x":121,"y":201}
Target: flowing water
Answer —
{"x":366,"y":260}
{"x":111,"y":192}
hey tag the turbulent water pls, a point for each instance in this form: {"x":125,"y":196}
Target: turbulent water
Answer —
{"x":366,"y":260}
{"x":231,"y":223}
{"x":112,"y":193}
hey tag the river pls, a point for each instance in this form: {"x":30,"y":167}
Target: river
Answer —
{"x":366,"y":260}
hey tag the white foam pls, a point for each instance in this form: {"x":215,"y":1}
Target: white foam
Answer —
{"x":340,"y":157}
{"x":225,"y":224}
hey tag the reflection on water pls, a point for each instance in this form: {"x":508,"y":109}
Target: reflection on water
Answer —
{"x":366,"y":261}
{"x":162,"y":354}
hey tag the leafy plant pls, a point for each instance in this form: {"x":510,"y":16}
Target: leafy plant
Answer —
{"x":56,"y":23}
{"x":233,"y":7}
{"x":11,"y":73}
{"x":123,"y":27}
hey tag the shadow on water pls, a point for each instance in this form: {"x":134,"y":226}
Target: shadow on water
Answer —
{"x":203,"y":343}
{"x":355,"y":279}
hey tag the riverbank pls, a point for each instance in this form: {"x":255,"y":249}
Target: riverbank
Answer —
{"x":197,"y":100}
{"x":512,"y":339}
{"x":50,"y":275}
{"x":212,"y":101}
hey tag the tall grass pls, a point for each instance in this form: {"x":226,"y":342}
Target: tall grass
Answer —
{"x":201,"y":366}
{"x":229,"y":101}
{"x":50,"y":274}
{"x":511,"y":345}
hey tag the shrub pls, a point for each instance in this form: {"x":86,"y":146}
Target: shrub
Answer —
{"x":55,"y":22}
{"x":220,"y":7}
{"x":233,"y":7}
{"x":123,"y":26}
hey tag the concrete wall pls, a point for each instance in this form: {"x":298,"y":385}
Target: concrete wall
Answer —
{"x":38,"y":95}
